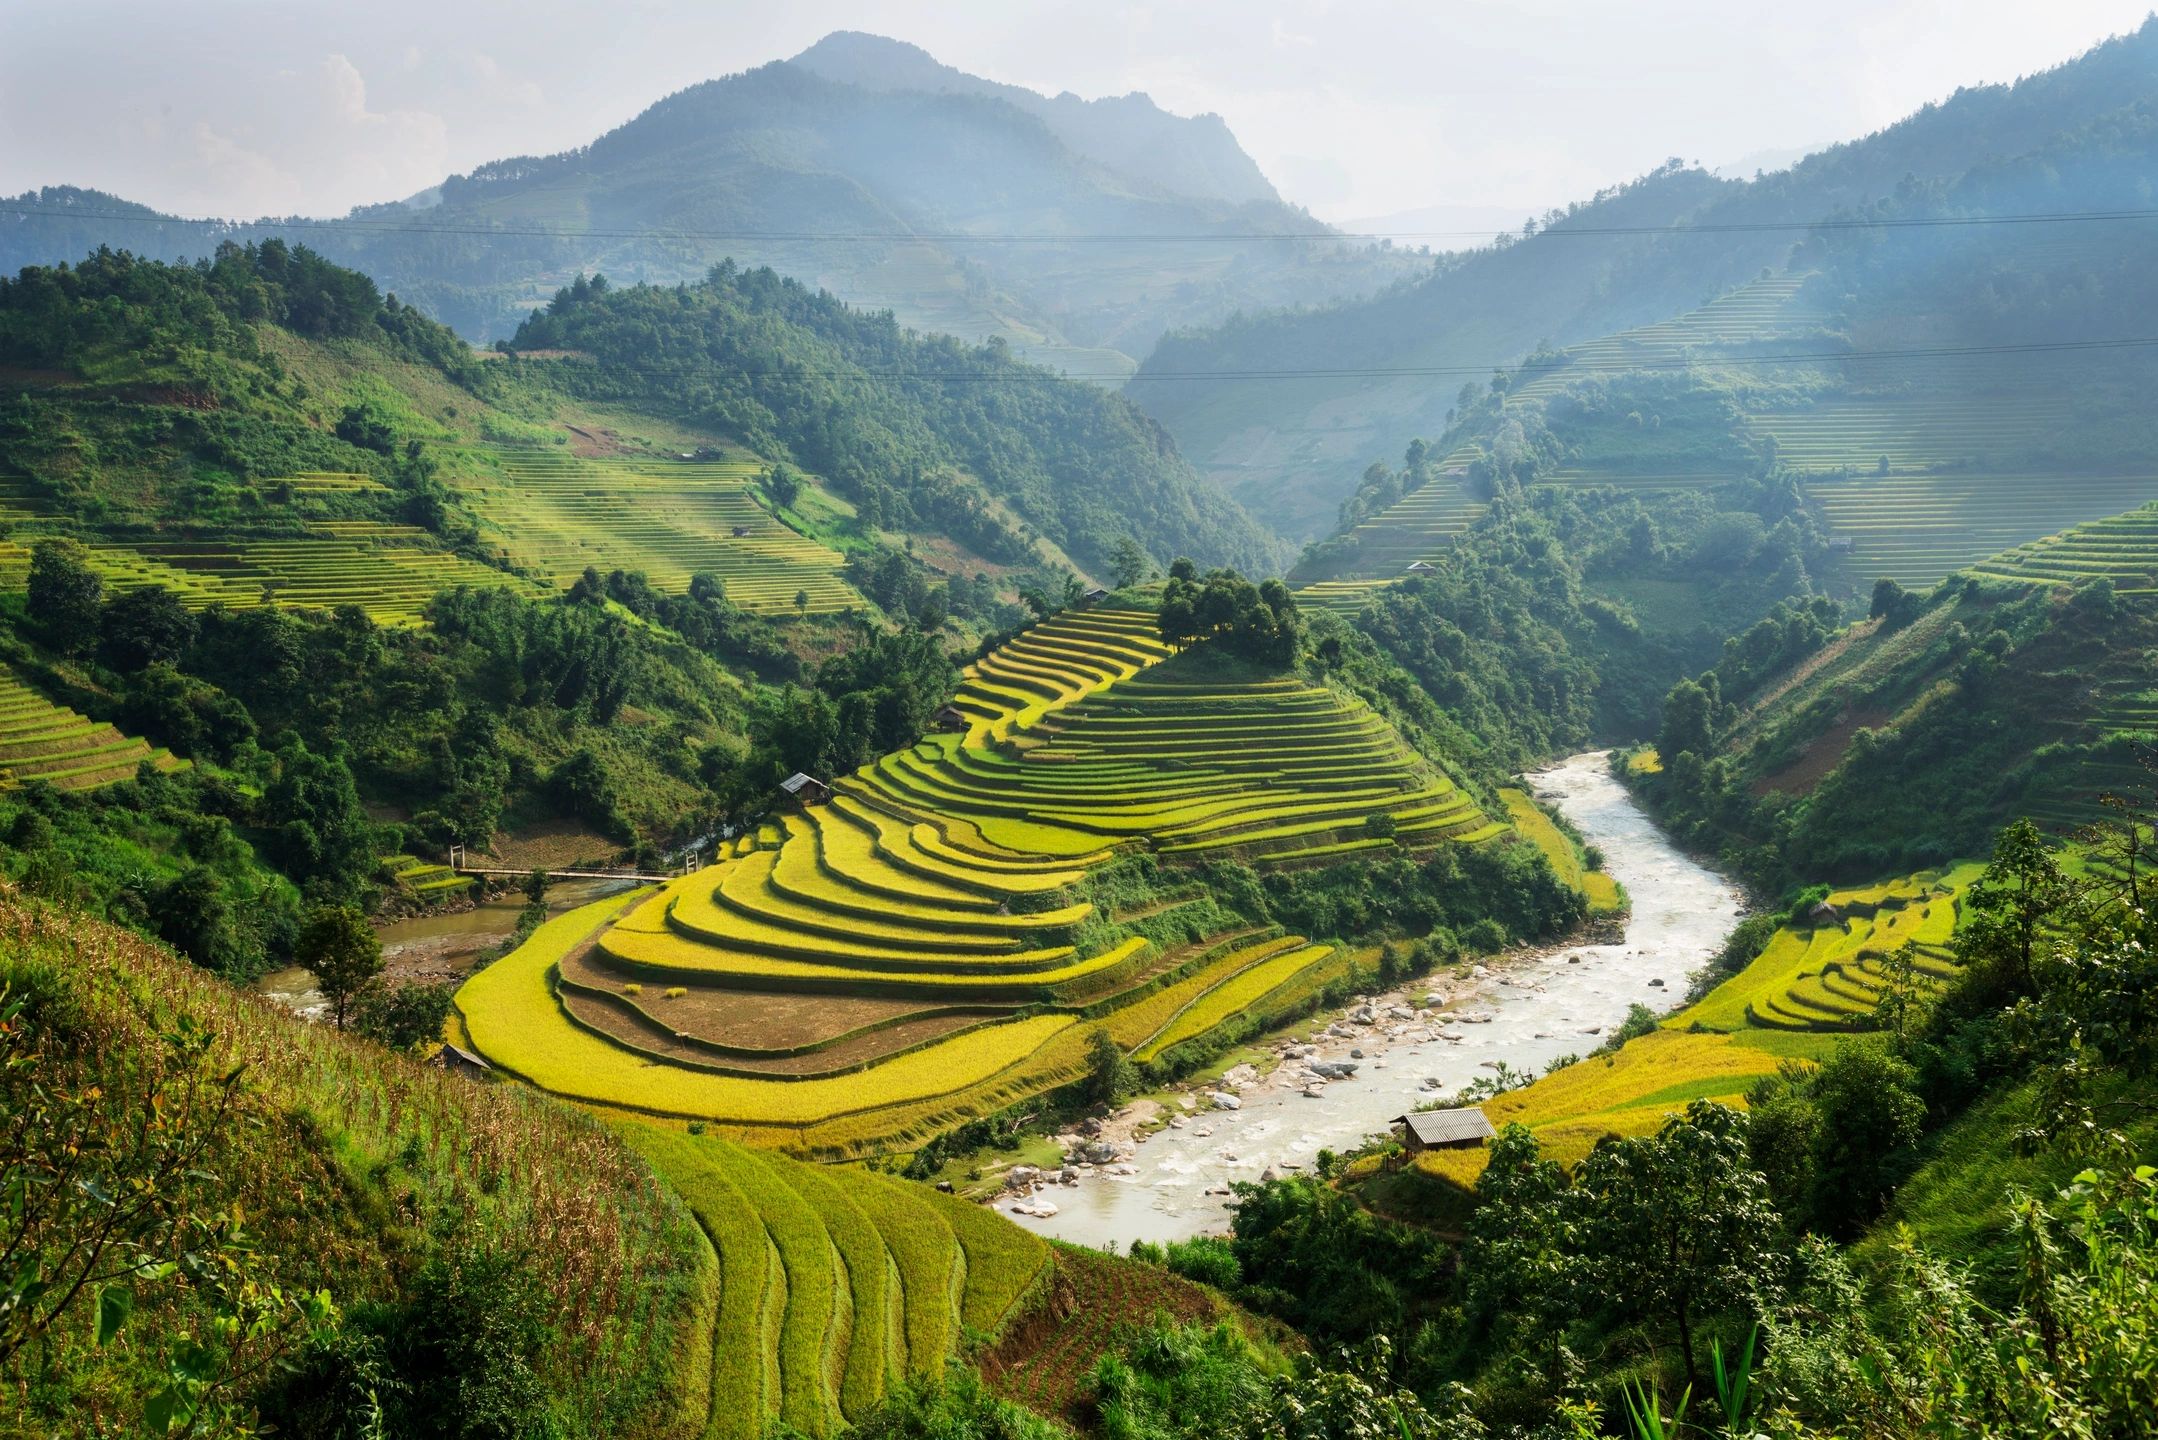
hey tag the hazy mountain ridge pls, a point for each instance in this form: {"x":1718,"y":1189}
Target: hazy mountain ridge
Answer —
{"x":1194,"y":156}
{"x":1291,"y":449}
{"x":829,"y":182}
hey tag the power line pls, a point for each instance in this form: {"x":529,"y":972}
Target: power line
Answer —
{"x":883,"y":237}
{"x":1037,"y":374}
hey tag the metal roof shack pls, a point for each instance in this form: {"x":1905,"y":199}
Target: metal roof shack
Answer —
{"x":460,"y":1061}
{"x":805,"y":789}
{"x":1444,"y":1129}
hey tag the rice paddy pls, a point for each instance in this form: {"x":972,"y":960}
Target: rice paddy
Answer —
{"x":552,"y":515}
{"x":836,"y":1286}
{"x":1819,"y":978}
{"x":918,"y":949}
{"x":51,"y":743}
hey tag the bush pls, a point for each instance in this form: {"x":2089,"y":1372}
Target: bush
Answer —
{"x":404,"y":1017}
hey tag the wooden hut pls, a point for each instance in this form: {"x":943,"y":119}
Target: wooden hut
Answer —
{"x":460,"y":1061}
{"x":805,"y":789}
{"x":1444,"y":1129}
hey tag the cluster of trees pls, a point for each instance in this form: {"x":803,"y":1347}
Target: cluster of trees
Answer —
{"x":502,"y":704}
{"x":1253,"y":622}
{"x":856,"y":398}
{"x":1922,"y":783}
{"x":114,"y":302}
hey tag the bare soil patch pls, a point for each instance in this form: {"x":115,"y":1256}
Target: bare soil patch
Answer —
{"x":1822,"y":755}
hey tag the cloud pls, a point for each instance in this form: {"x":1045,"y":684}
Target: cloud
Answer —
{"x":494,"y":85}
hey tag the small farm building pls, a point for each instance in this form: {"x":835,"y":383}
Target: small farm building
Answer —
{"x":951,"y":717}
{"x":1421,"y":567}
{"x":460,"y":1061}
{"x":1094,"y":596}
{"x":805,"y":789}
{"x":1444,"y":1129}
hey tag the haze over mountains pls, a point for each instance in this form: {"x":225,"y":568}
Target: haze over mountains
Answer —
{"x":864,"y":166}
{"x":1282,"y":367}
{"x":1291,"y":447}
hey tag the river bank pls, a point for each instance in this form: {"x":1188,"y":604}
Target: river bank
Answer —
{"x":1176,"y":1154}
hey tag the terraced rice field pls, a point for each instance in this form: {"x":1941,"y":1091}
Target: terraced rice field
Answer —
{"x":1934,"y":429}
{"x":1533,"y":825}
{"x":2120,"y":548}
{"x":1918,"y":529}
{"x":43,"y":741}
{"x":389,"y":571}
{"x":918,"y":950}
{"x":835,"y":1286}
{"x":1812,"y":984}
{"x":1830,"y":977}
{"x":423,"y":879}
{"x":553,"y":515}
{"x":1424,"y":522}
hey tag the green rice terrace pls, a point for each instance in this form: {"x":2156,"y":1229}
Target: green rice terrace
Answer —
{"x":547,"y":517}
{"x":938,"y":937}
{"x":553,"y":515}
{"x":1424,"y":521}
{"x":390,"y":571}
{"x":43,"y":741}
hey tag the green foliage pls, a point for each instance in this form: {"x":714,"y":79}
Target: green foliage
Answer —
{"x":403,"y":1017}
{"x":64,"y":595}
{"x":1110,"y":1077}
{"x":1253,"y":622}
{"x":340,"y":949}
{"x":863,"y":407}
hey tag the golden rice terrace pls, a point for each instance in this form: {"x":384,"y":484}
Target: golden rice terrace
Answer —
{"x":917,"y":944}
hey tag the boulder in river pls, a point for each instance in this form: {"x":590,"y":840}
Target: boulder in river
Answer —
{"x":1223,"y":1100}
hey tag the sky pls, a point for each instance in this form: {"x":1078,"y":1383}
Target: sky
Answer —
{"x":1354,"y":108}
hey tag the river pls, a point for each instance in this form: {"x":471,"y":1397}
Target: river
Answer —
{"x":1539,"y":1008}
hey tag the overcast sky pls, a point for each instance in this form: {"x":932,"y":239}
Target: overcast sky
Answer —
{"x":1357,"y":108}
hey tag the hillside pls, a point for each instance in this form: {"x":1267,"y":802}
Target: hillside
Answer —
{"x":280,"y":553}
{"x":2059,"y":142}
{"x":2019,"y":689}
{"x":475,"y":1247}
{"x":960,"y":921}
{"x":874,"y":190}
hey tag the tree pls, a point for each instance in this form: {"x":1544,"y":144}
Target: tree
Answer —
{"x":2021,"y":890}
{"x":146,"y":627}
{"x":64,"y":595}
{"x":1870,"y":1117}
{"x":1518,"y":1261}
{"x":1110,"y":1079}
{"x":783,"y":485}
{"x":403,"y":1017}
{"x":1677,"y":1226}
{"x":340,"y":949}
{"x":1128,"y":563}
{"x":1688,"y":719}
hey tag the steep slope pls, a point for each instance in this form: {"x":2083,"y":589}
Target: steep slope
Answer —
{"x":1910,"y":737}
{"x":924,"y":431}
{"x":1290,"y":447}
{"x":959,"y":207}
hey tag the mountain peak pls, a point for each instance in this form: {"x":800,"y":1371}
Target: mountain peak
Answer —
{"x":1196,"y":157}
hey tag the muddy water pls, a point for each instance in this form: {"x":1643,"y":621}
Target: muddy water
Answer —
{"x":1533,"y":1011}
{"x":437,"y":946}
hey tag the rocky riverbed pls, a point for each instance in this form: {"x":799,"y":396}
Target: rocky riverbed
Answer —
{"x":1161,"y":1169}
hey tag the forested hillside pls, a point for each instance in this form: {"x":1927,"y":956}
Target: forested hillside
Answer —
{"x":2062,"y":142}
{"x":921,"y":432}
{"x":303,"y":587}
{"x":904,"y":191}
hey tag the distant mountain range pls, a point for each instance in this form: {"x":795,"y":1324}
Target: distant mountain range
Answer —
{"x":863,"y":166}
{"x":1291,"y":448}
